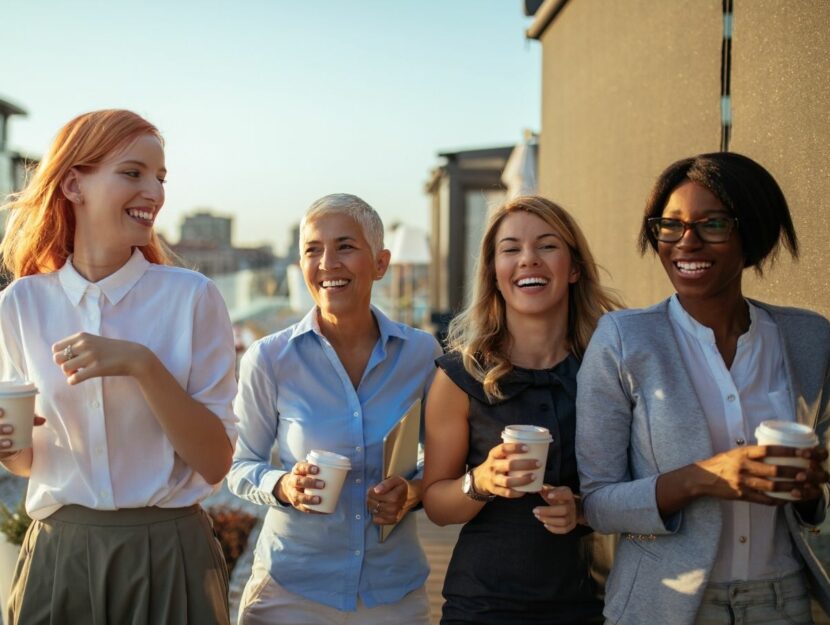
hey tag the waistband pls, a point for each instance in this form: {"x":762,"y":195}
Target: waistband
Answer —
{"x":81,"y":515}
{"x":766,"y":591}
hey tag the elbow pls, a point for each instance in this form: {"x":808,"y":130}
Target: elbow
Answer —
{"x":215,"y":473}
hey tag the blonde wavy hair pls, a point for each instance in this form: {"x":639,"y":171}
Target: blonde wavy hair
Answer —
{"x":480,"y":332}
{"x":41,"y":229}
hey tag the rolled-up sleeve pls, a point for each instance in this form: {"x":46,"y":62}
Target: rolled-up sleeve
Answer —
{"x":212,"y":381}
{"x":613,"y":500}
{"x":252,"y":476}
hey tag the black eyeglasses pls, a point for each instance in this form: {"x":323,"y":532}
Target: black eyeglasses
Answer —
{"x":712,"y":230}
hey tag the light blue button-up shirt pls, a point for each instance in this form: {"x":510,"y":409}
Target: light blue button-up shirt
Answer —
{"x":294,"y":390}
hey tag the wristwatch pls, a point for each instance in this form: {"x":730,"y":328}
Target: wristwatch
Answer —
{"x":468,"y":487}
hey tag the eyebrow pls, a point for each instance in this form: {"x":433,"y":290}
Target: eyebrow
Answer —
{"x":140,"y":164}
{"x":541,"y":236}
{"x":338,"y":239}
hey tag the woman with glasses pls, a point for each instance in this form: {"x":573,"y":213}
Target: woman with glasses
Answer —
{"x":669,"y":398}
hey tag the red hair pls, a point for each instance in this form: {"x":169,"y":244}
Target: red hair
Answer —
{"x":41,"y":228}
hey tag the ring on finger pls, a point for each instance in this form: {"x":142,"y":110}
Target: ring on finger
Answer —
{"x":376,"y":509}
{"x":68,"y":354}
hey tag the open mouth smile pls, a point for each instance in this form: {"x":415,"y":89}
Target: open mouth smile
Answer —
{"x":692,"y":269}
{"x":334,"y":284}
{"x":532,"y":282}
{"x":144,"y":217}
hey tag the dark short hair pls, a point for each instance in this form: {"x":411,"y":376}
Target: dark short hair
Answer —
{"x":746,"y":189}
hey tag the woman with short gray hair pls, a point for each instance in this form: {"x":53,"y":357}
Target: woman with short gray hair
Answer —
{"x":337,"y":381}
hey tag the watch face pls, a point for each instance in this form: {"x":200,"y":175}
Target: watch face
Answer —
{"x":467,"y":484}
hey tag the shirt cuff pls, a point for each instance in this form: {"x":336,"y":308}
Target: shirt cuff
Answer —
{"x":266,"y":487}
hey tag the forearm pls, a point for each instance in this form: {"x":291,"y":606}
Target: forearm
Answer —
{"x":446,"y":504}
{"x":677,"y":489}
{"x":19,"y":463}
{"x":197,"y":434}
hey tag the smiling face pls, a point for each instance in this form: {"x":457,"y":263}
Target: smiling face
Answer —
{"x":338,"y":265}
{"x":117,"y":201}
{"x":699,"y":270}
{"x":533,"y":266}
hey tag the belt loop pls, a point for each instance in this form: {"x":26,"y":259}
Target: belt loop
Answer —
{"x":779,"y":594}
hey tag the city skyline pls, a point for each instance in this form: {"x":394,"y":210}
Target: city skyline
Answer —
{"x":266,"y":106}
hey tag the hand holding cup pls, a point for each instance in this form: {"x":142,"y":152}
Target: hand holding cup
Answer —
{"x":291,"y":487}
{"x":507,"y":471}
{"x":17,"y":417}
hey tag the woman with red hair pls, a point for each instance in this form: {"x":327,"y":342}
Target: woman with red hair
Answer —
{"x":134,"y":363}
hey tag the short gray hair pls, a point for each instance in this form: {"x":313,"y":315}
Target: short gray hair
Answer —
{"x":351,"y":205}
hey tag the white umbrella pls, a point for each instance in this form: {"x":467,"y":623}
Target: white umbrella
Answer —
{"x":409,"y":247}
{"x":519,"y":174}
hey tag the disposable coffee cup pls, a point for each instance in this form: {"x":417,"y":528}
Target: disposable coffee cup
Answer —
{"x":332,"y":470}
{"x":787,"y":434}
{"x":17,"y":399}
{"x":538,"y":440}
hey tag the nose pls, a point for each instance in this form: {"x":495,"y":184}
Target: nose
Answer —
{"x":329,"y":259}
{"x":689,"y":238}
{"x":154,"y":192}
{"x":529,"y":257}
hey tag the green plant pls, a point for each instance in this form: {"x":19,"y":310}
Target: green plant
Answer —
{"x":232,"y":527}
{"x":15,"y":523}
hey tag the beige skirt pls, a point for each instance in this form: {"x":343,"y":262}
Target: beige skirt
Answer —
{"x":143,"y":566}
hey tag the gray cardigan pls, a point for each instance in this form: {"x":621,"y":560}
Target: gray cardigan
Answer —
{"x":638,"y":416}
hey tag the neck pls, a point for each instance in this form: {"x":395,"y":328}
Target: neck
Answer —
{"x":351,"y":329}
{"x":95,"y":261}
{"x":538,"y":341}
{"x":726,"y":315}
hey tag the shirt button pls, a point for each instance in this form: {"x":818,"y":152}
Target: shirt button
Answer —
{"x":104,"y":494}
{"x":742,"y":539}
{"x":358,"y":448}
{"x":740,"y":441}
{"x":730,"y":397}
{"x":357,"y":517}
{"x":99,"y":450}
{"x":357,"y":480}
{"x":357,"y":552}
{"x":94,"y":403}
{"x":355,"y":414}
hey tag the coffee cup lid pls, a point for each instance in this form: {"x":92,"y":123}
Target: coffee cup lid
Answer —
{"x":329,"y":459}
{"x":786,"y":433}
{"x":17,"y":389}
{"x":526,"y":433}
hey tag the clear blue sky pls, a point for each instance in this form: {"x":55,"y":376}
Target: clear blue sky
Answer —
{"x":268,"y":104}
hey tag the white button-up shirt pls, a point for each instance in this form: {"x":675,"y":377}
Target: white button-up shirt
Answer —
{"x":755,"y":543}
{"x":101,"y":446}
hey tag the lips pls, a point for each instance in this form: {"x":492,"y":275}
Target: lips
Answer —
{"x":692,"y":268}
{"x":143,"y":216}
{"x":531,"y":281}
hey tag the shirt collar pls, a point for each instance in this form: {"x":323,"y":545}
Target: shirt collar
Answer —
{"x":387,"y":327}
{"x":702,"y":333}
{"x":114,"y":286}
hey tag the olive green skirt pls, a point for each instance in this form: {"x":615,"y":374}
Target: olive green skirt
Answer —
{"x":143,"y":566}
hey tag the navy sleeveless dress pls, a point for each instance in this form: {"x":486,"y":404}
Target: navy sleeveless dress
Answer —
{"x":506,"y":568}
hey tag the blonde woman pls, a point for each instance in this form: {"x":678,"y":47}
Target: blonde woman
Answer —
{"x":513,"y":357}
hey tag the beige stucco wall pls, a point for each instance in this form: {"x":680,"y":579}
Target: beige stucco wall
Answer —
{"x":781,"y":117}
{"x":629,"y":87}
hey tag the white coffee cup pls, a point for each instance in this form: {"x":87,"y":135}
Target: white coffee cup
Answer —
{"x":786,"y":434}
{"x":17,"y":399}
{"x":332,"y":470}
{"x":537,"y":440}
